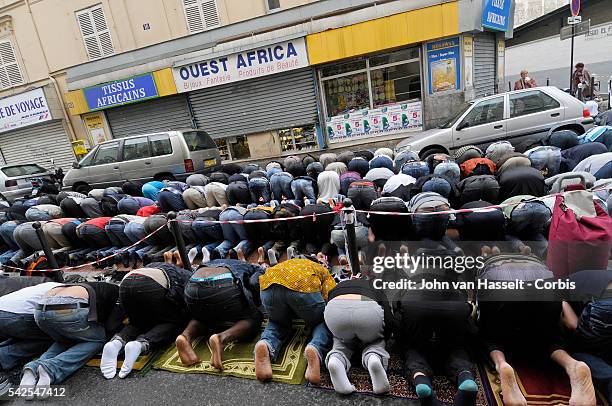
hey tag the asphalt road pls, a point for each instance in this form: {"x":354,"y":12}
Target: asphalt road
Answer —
{"x":87,"y":387}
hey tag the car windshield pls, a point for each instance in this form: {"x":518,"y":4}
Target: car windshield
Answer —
{"x":459,"y":112}
{"x":22,"y":170}
{"x":198,"y":141}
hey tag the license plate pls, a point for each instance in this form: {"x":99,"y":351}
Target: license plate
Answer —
{"x":210,"y":162}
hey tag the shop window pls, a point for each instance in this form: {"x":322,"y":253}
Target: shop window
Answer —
{"x":136,"y":148}
{"x":377,"y":81}
{"x":95,"y":32}
{"x":10,"y":74}
{"x":107,"y":154}
{"x":201,"y":15}
{"x":240,"y":148}
{"x":223,"y":147}
{"x":160,"y":144}
{"x":298,"y":139}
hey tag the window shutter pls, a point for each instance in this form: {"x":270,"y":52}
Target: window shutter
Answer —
{"x":96,"y":35}
{"x":210,"y":13}
{"x":201,"y":15}
{"x":10,"y":74}
{"x":193,"y":16}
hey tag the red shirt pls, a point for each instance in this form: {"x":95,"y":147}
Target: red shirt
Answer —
{"x":99,"y":222}
{"x":148,"y":211}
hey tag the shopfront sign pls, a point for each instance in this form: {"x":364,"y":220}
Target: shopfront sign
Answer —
{"x":250,"y":64}
{"x":120,"y":92}
{"x":23,"y":109}
{"x":444,"y":65}
{"x":375,"y":122}
{"x":496,"y":14}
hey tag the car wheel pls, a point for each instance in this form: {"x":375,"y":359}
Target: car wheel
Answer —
{"x":83,"y":188}
{"x":431,"y":151}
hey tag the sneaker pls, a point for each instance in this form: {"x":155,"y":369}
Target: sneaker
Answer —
{"x":272,"y":257}
{"x":290,"y":253}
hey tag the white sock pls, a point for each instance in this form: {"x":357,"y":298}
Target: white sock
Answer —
{"x":338,"y":375}
{"x":108,"y":364}
{"x":272,"y":257}
{"x":290,"y":253}
{"x":44,"y":382}
{"x":192,"y":254}
{"x":132,"y":352}
{"x":28,"y":381}
{"x":380,"y":382}
{"x":205,"y":255}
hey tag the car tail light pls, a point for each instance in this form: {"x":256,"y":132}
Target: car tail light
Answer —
{"x":586,"y":113}
{"x":188,"y":165}
{"x":10,"y":183}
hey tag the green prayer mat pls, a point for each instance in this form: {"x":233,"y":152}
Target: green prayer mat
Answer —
{"x":238,"y":359}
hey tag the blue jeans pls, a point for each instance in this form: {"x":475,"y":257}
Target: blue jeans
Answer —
{"x":22,"y":339}
{"x":415,"y":169}
{"x":303,"y":187}
{"x":234,"y":235}
{"x":115,"y":230}
{"x":260,"y":190}
{"x":545,"y":157}
{"x":6,"y":232}
{"x":280,"y":183}
{"x":76,"y":340}
{"x":282,"y":305}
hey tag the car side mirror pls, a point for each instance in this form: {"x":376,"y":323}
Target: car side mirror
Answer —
{"x":462,"y":125}
{"x":76,"y":165}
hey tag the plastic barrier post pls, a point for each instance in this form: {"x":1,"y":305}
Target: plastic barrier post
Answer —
{"x":349,"y":220}
{"x":178,"y":238}
{"x":48,"y":252}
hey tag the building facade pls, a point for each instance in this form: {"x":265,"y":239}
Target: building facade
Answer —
{"x":263,"y":77}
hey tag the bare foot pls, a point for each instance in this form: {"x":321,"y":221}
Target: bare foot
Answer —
{"x":186,"y":353}
{"x":511,"y":392}
{"x":343,"y":260}
{"x":583,"y":393}
{"x":263,"y":367}
{"x":216,"y":348}
{"x":179,"y":261}
{"x":486,"y":251}
{"x":382,"y":250}
{"x":495,"y":251}
{"x":240,"y":255}
{"x":313,"y":370}
{"x":525,"y":249}
{"x":260,"y":255}
{"x":168,"y":257}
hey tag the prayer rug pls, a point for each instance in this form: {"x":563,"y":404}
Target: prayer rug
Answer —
{"x":143,"y":364}
{"x":400,"y":388}
{"x":238,"y":359}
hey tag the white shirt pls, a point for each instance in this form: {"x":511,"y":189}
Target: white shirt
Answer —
{"x":593,"y":163}
{"x":24,"y":300}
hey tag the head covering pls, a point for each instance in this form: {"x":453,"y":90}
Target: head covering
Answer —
{"x":497,"y":150}
{"x":448,"y":170}
{"x":467,"y":152}
{"x":429,"y":225}
{"x":248,"y":168}
{"x":307,"y":160}
{"x":295,"y":168}
{"x":521,"y":181}
{"x":337,"y":167}
{"x":329,"y":184}
{"x":196,"y":180}
{"x":314,"y":169}
{"x":345,"y":157}
{"x":292,"y":159}
{"x":359,"y":165}
{"x":327,"y":158}
{"x":403,"y":157}
{"x":365,"y":154}
{"x":238,"y":177}
{"x":437,"y":185}
{"x":384,"y":151}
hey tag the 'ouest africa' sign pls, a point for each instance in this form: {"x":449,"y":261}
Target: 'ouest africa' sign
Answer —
{"x":250,"y":64}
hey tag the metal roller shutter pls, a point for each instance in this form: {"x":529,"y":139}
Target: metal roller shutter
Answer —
{"x":38,"y":144}
{"x":272,"y":102}
{"x":168,"y":113}
{"x":484,"y":64}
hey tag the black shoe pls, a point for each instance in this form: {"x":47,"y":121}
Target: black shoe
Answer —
{"x":125,"y":259}
{"x":214,"y":254}
{"x":233,"y":254}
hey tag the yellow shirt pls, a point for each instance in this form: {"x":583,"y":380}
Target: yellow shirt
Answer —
{"x":301,"y":275}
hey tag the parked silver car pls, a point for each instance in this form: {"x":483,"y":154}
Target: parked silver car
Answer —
{"x":518,"y":116}
{"x":17,"y":180}
{"x":172,"y":155}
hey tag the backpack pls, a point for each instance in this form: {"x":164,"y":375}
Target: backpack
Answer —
{"x":482,"y":187}
{"x":477,"y":167}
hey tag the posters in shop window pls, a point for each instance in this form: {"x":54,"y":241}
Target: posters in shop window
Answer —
{"x":444,"y":66}
{"x":374,"y":122}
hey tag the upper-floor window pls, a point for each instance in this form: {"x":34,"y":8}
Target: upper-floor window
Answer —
{"x":10,"y":74}
{"x":273,"y":5}
{"x":96,"y":35}
{"x":201,"y":15}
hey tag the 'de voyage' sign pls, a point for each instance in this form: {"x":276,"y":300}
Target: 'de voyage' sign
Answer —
{"x":120,"y":92}
{"x":253,"y":63}
{"x":23,"y":109}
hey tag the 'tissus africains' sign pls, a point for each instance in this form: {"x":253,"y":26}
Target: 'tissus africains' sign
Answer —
{"x":119,"y":92}
{"x":253,"y":63}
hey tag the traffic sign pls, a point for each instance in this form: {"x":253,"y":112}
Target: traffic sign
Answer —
{"x":575,"y":7}
{"x":578,"y":30}
{"x":574,"y":20}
